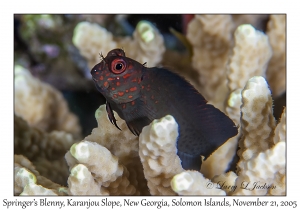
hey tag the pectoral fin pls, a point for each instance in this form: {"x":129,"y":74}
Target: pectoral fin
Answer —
{"x":111,"y":116}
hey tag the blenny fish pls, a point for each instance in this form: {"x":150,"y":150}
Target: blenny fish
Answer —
{"x":140,"y":94}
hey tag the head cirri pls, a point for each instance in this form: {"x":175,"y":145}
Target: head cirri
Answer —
{"x":117,"y":77}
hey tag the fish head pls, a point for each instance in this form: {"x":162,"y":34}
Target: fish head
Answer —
{"x":118,"y":77}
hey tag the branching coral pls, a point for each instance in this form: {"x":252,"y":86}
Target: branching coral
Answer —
{"x":251,"y":55}
{"x":93,"y":164}
{"x":41,"y":105}
{"x":113,"y":162}
{"x":263,"y":170}
{"x":246,"y":38}
{"x":277,"y":67}
{"x":96,"y":171}
{"x":234,"y":103}
{"x":226,"y":182}
{"x":221,"y":157}
{"x":45,"y":150}
{"x":146,"y":45}
{"x":96,"y":161}
{"x":260,"y":160}
{"x":34,"y":143}
{"x":158,"y":154}
{"x":193,"y":183}
{"x":225,"y":154}
{"x":81,"y":182}
{"x":257,"y":120}
{"x":256,"y":20}
{"x":28,"y":181}
{"x":122,"y":144}
{"x":280,"y":131}
{"x":91,"y":39}
{"x":211,"y":38}
{"x":119,"y":173}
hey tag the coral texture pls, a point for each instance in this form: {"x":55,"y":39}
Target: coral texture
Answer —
{"x":277,"y":67}
{"x":193,"y":183}
{"x":41,"y":105}
{"x":45,"y":150}
{"x":97,"y":165}
{"x":280,"y":131}
{"x":260,"y":160}
{"x":122,"y":144}
{"x":251,"y":55}
{"x":34,"y":143}
{"x":226,"y":182}
{"x":28,"y":181}
{"x":211,"y":48}
{"x":119,"y":173}
{"x":257,"y":120}
{"x":280,"y":183}
{"x":267,"y":170}
{"x":280,"y":176}
{"x":96,"y":171}
{"x":234,"y":103}
{"x":221,"y":157}
{"x":225,"y":154}
{"x":146,"y":45}
{"x":158,"y":154}
{"x":255,"y":20}
{"x":81,"y":182}
{"x":92,"y":39}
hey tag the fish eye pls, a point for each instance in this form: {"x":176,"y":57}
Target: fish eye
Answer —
{"x":94,"y":71}
{"x":118,"y":66}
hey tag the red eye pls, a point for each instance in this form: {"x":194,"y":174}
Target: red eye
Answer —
{"x":118,"y":66}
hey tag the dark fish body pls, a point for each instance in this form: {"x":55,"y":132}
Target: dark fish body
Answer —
{"x":140,"y":94}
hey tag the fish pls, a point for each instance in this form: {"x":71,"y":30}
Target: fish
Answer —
{"x":140,"y":94}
